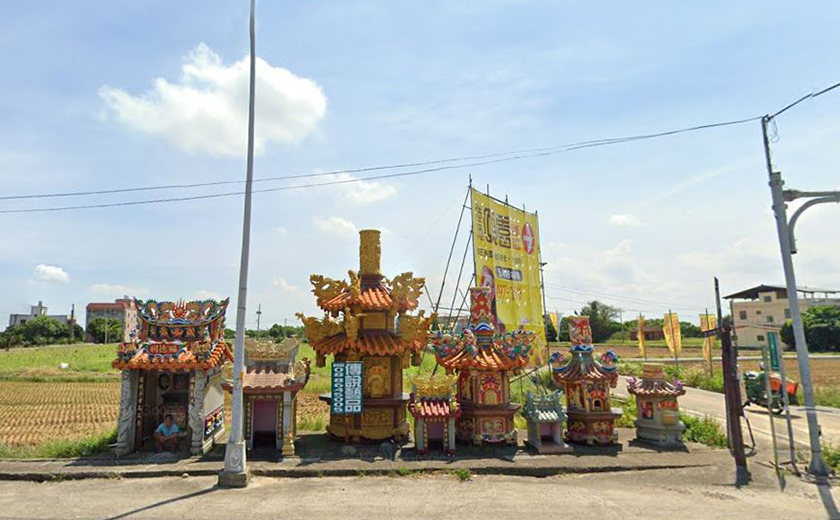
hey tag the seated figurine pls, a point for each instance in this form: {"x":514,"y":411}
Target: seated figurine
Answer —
{"x":166,"y":434}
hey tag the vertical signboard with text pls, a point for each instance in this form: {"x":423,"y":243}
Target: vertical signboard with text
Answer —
{"x":507,"y":260}
{"x":347,"y":387}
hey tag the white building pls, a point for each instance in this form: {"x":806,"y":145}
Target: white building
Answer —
{"x":34,"y":312}
{"x":764,"y":308}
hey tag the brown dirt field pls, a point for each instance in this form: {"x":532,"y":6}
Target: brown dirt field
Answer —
{"x":33,"y":413}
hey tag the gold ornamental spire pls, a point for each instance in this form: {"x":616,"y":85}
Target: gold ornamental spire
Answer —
{"x":369,"y":252}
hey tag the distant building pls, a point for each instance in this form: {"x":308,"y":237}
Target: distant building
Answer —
{"x":651,"y":333}
{"x":34,"y":312}
{"x":123,"y":309}
{"x":764,"y":308}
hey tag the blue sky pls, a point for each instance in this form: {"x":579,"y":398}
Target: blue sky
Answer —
{"x":644,"y":226}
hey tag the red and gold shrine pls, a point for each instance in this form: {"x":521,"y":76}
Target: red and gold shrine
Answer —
{"x":587,"y":383}
{"x":484,"y":361}
{"x":367,"y":319}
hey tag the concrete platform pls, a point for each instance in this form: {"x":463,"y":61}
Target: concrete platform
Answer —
{"x":320,"y":456}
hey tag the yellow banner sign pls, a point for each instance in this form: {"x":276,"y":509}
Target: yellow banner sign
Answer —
{"x":673,"y":336}
{"x":507,"y":260}
{"x":640,"y":334}
{"x":708,"y":322}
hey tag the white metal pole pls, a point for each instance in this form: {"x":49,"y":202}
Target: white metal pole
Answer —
{"x":235,"y":473}
{"x":817,"y":466}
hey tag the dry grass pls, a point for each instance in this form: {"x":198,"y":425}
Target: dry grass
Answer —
{"x":33,"y":413}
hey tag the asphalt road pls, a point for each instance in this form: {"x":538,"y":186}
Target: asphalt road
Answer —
{"x":692,"y":493}
{"x":702,"y":402}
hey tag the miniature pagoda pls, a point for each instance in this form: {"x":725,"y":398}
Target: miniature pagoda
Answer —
{"x":484,"y":361}
{"x":658,"y":412}
{"x":434,"y":406}
{"x":366,"y":319}
{"x":270,"y":386}
{"x":545,"y":417}
{"x":587,"y":384}
{"x":173,"y":366}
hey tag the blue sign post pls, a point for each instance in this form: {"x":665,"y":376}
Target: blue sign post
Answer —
{"x":347,"y":391}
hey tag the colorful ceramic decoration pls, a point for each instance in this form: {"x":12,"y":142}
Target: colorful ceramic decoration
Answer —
{"x":434,"y":406}
{"x":172,"y":366}
{"x":545,"y":417}
{"x":367,"y":319}
{"x":483,"y":361}
{"x":270,"y":386}
{"x":587,"y":383}
{"x":658,"y":411}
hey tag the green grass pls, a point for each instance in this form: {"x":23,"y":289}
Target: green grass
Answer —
{"x":705,"y":430}
{"x":823,"y":396}
{"x":62,"y":449}
{"x":831,"y":453}
{"x":87,"y":362}
{"x":461,"y":474}
{"x":628,"y":415}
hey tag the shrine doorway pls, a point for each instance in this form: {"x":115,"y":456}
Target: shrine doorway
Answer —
{"x":164,"y":393}
{"x":265,"y":423}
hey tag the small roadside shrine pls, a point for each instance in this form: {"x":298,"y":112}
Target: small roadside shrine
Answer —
{"x":434,"y":406}
{"x":270,"y":386}
{"x":173,"y":367}
{"x":658,"y":412}
{"x":484,"y":361}
{"x":367,"y":320}
{"x":545,"y":417}
{"x":587,"y":384}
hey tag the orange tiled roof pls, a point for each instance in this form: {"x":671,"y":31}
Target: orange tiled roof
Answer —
{"x":487,"y":358}
{"x":376,"y":342}
{"x":267,"y":380}
{"x":432,"y":409}
{"x":371,"y":299}
{"x":185,"y":360}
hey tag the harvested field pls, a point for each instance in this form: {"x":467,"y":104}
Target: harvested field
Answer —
{"x":32,"y":413}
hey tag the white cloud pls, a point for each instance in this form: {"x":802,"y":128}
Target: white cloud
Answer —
{"x":282,"y":231}
{"x":283,"y":285}
{"x":50,"y":273}
{"x":336,"y":226}
{"x":117,"y":290}
{"x":355,"y":191}
{"x":207,"y":295}
{"x":207,"y":109}
{"x":624,"y":220}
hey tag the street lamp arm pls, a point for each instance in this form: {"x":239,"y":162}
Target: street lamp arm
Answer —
{"x":791,"y":195}
{"x":823,"y":198}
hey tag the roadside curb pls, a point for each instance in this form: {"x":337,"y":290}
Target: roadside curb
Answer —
{"x":405,"y":470}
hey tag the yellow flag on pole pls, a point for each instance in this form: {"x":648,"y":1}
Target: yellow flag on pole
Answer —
{"x":708,"y":322}
{"x":640,"y":334}
{"x":671,"y":330}
{"x":555,"y":320}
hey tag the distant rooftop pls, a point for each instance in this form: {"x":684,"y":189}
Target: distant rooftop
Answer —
{"x":753,"y":292}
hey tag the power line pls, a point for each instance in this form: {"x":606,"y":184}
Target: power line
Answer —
{"x":631,"y":299}
{"x":496,"y":157}
{"x":547,"y":152}
{"x":806,"y":97}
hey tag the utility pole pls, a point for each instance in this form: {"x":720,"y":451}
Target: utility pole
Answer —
{"x":235,"y":473}
{"x":259,"y":312}
{"x":787,"y":245}
{"x":732,"y":393}
{"x":72,"y":321}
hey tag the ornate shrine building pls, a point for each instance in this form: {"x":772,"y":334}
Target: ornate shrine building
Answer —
{"x":657,"y":409}
{"x":545,"y":417}
{"x":269,"y":387}
{"x":484,"y":361}
{"x":173,"y":367}
{"x":587,"y":384}
{"x":367,"y":319}
{"x":434,"y":406}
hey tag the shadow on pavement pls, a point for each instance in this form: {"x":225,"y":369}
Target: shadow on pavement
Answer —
{"x":163,"y":503}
